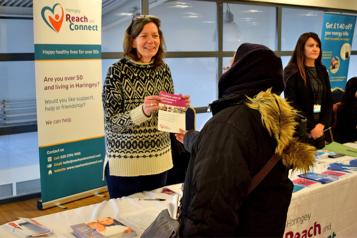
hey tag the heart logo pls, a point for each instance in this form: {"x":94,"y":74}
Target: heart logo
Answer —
{"x":53,"y":17}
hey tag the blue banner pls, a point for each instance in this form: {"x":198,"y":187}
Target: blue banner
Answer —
{"x":336,"y":40}
{"x":69,"y":163}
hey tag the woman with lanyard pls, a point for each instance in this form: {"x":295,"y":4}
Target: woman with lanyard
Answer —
{"x":307,"y":87}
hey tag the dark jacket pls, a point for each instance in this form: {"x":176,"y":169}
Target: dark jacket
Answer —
{"x":346,"y":124}
{"x":180,"y":159}
{"x":302,"y":98}
{"x":346,"y":121}
{"x":233,"y":146}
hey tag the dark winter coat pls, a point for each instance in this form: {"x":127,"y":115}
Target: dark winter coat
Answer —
{"x":346,"y":121}
{"x":234,"y":145}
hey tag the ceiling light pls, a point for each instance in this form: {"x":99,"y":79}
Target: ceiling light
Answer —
{"x":252,"y":11}
{"x":191,"y":15}
{"x":124,"y":14}
{"x":178,"y":4}
{"x":247,"y":19}
{"x":308,"y":14}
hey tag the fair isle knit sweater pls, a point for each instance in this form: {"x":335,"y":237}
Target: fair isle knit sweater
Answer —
{"x":134,"y":146}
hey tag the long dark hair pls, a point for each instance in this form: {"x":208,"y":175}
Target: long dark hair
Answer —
{"x":134,"y":29}
{"x":298,"y":57}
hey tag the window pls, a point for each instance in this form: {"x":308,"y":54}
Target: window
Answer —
{"x":285,"y":60}
{"x":248,"y":23}
{"x":195,"y":77}
{"x":201,"y":119}
{"x":16,"y":36}
{"x":17,"y":94}
{"x":354,"y":41}
{"x":297,"y":21}
{"x":105,"y":65}
{"x":17,"y":80}
{"x":188,"y":25}
{"x":352,"y":70}
{"x":116,"y":17}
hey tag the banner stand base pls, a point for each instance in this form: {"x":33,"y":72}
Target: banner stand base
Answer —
{"x":59,"y":202}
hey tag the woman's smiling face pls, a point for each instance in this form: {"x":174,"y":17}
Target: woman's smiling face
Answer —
{"x":147,"y":42}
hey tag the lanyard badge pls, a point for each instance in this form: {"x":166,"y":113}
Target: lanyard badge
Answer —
{"x":317,"y":108}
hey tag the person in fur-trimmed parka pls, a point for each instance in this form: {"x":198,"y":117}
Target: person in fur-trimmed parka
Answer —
{"x":250,"y":123}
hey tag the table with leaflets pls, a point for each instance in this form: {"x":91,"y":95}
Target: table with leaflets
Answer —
{"x":326,"y":210}
{"x":316,"y":209}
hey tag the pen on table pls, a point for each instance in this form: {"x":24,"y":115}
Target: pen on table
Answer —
{"x":328,"y":128}
{"x":153,"y":199}
{"x":14,"y":225}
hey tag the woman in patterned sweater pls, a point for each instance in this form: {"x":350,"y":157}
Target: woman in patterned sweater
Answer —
{"x":138,"y":156}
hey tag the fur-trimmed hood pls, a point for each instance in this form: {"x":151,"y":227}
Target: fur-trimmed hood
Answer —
{"x":279,"y":118}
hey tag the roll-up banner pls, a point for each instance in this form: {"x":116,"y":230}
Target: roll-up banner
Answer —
{"x":67,"y":38}
{"x":336,"y":40}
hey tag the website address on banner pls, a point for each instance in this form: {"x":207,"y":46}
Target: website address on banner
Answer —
{"x":84,"y":164}
{"x":81,"y":159}
{"x":337,"y":39}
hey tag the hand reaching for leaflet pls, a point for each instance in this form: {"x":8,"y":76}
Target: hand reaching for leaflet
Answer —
{"x":181,"y":135}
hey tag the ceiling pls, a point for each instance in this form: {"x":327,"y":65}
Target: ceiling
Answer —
{"x":23,"y":8}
